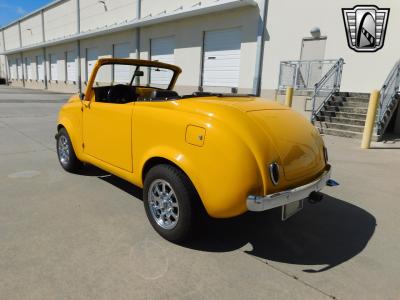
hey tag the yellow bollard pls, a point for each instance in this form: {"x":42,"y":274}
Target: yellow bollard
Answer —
{"x":289,"y":96}
{"x":370,"y":121}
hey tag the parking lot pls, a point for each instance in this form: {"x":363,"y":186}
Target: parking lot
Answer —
{"x":86,"y":236}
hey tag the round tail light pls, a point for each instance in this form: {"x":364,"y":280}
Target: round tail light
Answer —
{"x":274,"y":173}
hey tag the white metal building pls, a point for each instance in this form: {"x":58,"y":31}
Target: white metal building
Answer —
{"x":219,"y":44}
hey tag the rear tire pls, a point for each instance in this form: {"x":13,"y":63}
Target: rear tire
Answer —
{"x":169,"y":200}
{"x":66,"y":153}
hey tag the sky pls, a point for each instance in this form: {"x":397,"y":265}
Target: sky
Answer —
{"x":12,"y":10}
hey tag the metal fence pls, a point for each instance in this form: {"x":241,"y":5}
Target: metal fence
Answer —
{"x":389,"y":99}
{"x":303,"y":74}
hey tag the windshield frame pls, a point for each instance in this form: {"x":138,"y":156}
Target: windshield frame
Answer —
{"x":133,"y":62}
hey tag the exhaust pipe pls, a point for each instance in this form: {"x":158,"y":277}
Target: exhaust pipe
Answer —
{"x":315,"y":197}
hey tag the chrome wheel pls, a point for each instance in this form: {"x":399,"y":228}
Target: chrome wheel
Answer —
{"x":163,"y":204}
{"x":63,"y":150}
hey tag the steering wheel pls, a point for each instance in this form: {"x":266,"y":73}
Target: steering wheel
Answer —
{"x":117,"y":94}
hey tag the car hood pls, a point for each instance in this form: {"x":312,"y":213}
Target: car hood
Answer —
{"x":299,"y":145}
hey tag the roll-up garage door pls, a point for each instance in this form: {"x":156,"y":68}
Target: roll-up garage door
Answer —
{"x":40,"y":67}
{"x":13,"y":69}
{"x":19,"y":69}
{"x":91,"y":58}
{"x":162,"y":49}
{"x":122,"y":74}
{"x":53,"y":67}
{"x":71,"y":66}
{"x":221,"y":62}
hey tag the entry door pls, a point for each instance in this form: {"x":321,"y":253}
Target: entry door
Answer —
{"x":221,"y":61}
{"x":312,"y":49}
{"x":107,"y":133}
{"x":162,"y":50}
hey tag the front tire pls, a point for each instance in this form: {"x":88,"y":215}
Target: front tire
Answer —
{"x":169,"y":199}
{"x":66,"y":153}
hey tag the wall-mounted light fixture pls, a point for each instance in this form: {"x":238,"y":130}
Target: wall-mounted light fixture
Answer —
{"x":315,"y":32}
{"x":104,"y":4}
{"x":30,"y":30}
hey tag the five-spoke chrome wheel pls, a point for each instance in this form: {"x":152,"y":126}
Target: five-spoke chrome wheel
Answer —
{"x":66,"y":153}
{"x":163,"y":204}
{"x":63,"y":150}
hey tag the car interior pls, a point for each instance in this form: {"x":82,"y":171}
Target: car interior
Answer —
{"x":122,"y":94}
{"x":127,"y":92}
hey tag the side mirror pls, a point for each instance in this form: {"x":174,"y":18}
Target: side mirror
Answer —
{"x":82,"y":96}
{"x":139,"y":73}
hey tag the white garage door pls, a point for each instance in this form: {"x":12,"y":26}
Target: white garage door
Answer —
{"x":29,"y":69}
{"x":91,"y":58}
{"x":13,"y":69}
{"x":162,"y":49}
{"x":71,"y":66}
{"x":222,"y":58}
{"x":19,"y":69}
{"x":53,"y":67}
{"x":122,"y":74}
{"x":40,"y":67}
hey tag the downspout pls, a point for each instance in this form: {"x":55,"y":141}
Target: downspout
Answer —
{"x":263,"y":6}
{"x":44,"y":51}
{"x":78,"y":44}
{"x":22,"y":57}
{"x":138,"y":16}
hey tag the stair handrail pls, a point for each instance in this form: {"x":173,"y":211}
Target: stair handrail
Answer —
{"x":389,"y":94}
{"x":297,"y":68}
{"x":336,"y":71}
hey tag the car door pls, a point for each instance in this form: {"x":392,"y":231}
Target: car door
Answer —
{"x":107,"y":132}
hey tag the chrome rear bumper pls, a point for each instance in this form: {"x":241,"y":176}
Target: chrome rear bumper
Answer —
{"x":261,"y":203}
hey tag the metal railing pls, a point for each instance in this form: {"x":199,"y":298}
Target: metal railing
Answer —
{"x":326,"y":88}
{"x":303,"y":74}
{"x":389,"y":99}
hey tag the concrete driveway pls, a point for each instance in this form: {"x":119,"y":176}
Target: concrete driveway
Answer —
{"x":86,"y":236}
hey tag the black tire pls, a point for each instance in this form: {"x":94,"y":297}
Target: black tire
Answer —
{"x":68,"y":161}
{"x":186,"y":199}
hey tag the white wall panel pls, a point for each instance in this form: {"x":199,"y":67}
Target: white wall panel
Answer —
{"x":158,"y":7}
{"x":95,"y":15}
{"x":31,"y":30}
{"x":11,"y":36}
{"x":60,"y":20}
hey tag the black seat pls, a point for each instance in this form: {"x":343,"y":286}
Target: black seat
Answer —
{"x":163,"y":95}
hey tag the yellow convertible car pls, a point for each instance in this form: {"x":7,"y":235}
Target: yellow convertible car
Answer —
{"x":205,"y":152}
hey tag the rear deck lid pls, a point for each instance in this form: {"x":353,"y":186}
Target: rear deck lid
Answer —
{"x":298,"y":143}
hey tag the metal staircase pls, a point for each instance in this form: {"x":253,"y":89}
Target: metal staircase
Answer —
{"x":389,"y":101}
{"x":344,"y":114}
